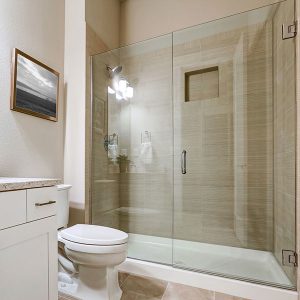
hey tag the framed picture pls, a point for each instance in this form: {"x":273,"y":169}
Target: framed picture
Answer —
{"x":34,"y":87}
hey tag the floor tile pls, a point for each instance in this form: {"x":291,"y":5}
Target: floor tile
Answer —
{"x":122,"y":277}
{"x":177,"y":291}
{"x":144,"y":297}
{"x":62,"y":296}
{"x":128,"y":296}
{"x":144,"y":287}
{"x":135,"y":296}
{"x":147,"y":288}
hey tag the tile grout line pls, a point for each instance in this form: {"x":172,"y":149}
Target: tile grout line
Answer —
{"x":162,"y":297}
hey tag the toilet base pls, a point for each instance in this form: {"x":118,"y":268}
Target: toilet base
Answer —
{"x":98,"y":284}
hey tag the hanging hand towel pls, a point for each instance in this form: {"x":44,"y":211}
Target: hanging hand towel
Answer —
{"x":146,"y":153}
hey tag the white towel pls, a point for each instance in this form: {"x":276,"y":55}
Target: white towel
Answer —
{"x":146,"y":154}
{"x":113,"y":152}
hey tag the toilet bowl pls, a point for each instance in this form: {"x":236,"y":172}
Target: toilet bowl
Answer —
{"x":88,"y":255}
{"x":94,"y":252}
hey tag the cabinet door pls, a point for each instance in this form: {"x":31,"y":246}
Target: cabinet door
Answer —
{"x":13,"y":208}
{"x":28,"y":261}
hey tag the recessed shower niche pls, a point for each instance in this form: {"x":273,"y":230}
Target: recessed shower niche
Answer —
{"x":202,"y":84}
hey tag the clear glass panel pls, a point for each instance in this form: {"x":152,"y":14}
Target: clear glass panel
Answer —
{"x":132,"y":186}
{"x":233,"y":111}
{"x":234,"y":114}
{"x":105,"y":181}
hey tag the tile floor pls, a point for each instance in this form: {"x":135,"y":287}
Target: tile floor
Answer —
{"x":146,"y":288}
{"x":65,"y":297}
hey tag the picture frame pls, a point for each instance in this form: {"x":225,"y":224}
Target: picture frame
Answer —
{"x":35,"y":87}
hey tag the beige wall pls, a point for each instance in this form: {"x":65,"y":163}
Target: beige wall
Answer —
{"x":75,"y":50}
{"x":30,"y":146}
{"x":103,"y":17}
{"x":144,"y":19}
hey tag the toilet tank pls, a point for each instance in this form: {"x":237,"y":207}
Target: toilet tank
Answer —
{"x":62,"y":201}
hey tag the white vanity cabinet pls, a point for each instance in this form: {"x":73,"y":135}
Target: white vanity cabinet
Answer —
{"x":28,"y":244}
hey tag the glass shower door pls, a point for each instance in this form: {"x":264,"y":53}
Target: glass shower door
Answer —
{"x":234,"y":147}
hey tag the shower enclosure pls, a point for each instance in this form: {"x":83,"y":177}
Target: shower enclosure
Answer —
{"x":193,"y":146}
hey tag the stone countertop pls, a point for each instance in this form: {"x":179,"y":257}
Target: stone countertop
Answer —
{"x":11,"y":184}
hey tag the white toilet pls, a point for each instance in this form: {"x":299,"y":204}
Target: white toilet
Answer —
{"x":92,"y":251}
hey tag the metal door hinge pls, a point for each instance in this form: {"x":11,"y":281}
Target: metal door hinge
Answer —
{"x":289,"y":30}
{"x":289,"y":258}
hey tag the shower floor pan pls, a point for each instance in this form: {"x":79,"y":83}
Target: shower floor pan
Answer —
{"x":240,"y":263}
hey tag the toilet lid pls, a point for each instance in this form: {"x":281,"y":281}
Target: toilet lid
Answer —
{"x":94,"y":235}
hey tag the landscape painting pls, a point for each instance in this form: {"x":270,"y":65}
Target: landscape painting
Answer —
{"x":35,"y":87}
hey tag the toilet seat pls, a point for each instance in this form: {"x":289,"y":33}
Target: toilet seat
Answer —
{"x":94,"y":249}
{"x":93,"y":239}
{"x":94,"y":235}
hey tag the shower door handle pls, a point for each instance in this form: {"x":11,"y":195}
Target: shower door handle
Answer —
{"x":183,"y":162}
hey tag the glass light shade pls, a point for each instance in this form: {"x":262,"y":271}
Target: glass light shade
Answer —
{"x":122,"y":85}
{"x":129,"y":92}
{"x":110,"y":90}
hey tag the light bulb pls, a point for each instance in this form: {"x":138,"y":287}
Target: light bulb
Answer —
{"x":122,"y":85}
{"x":110,"y":90}
{"x":129,"y":92}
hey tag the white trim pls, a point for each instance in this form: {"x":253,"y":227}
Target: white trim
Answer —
{"x":218,"y":284}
